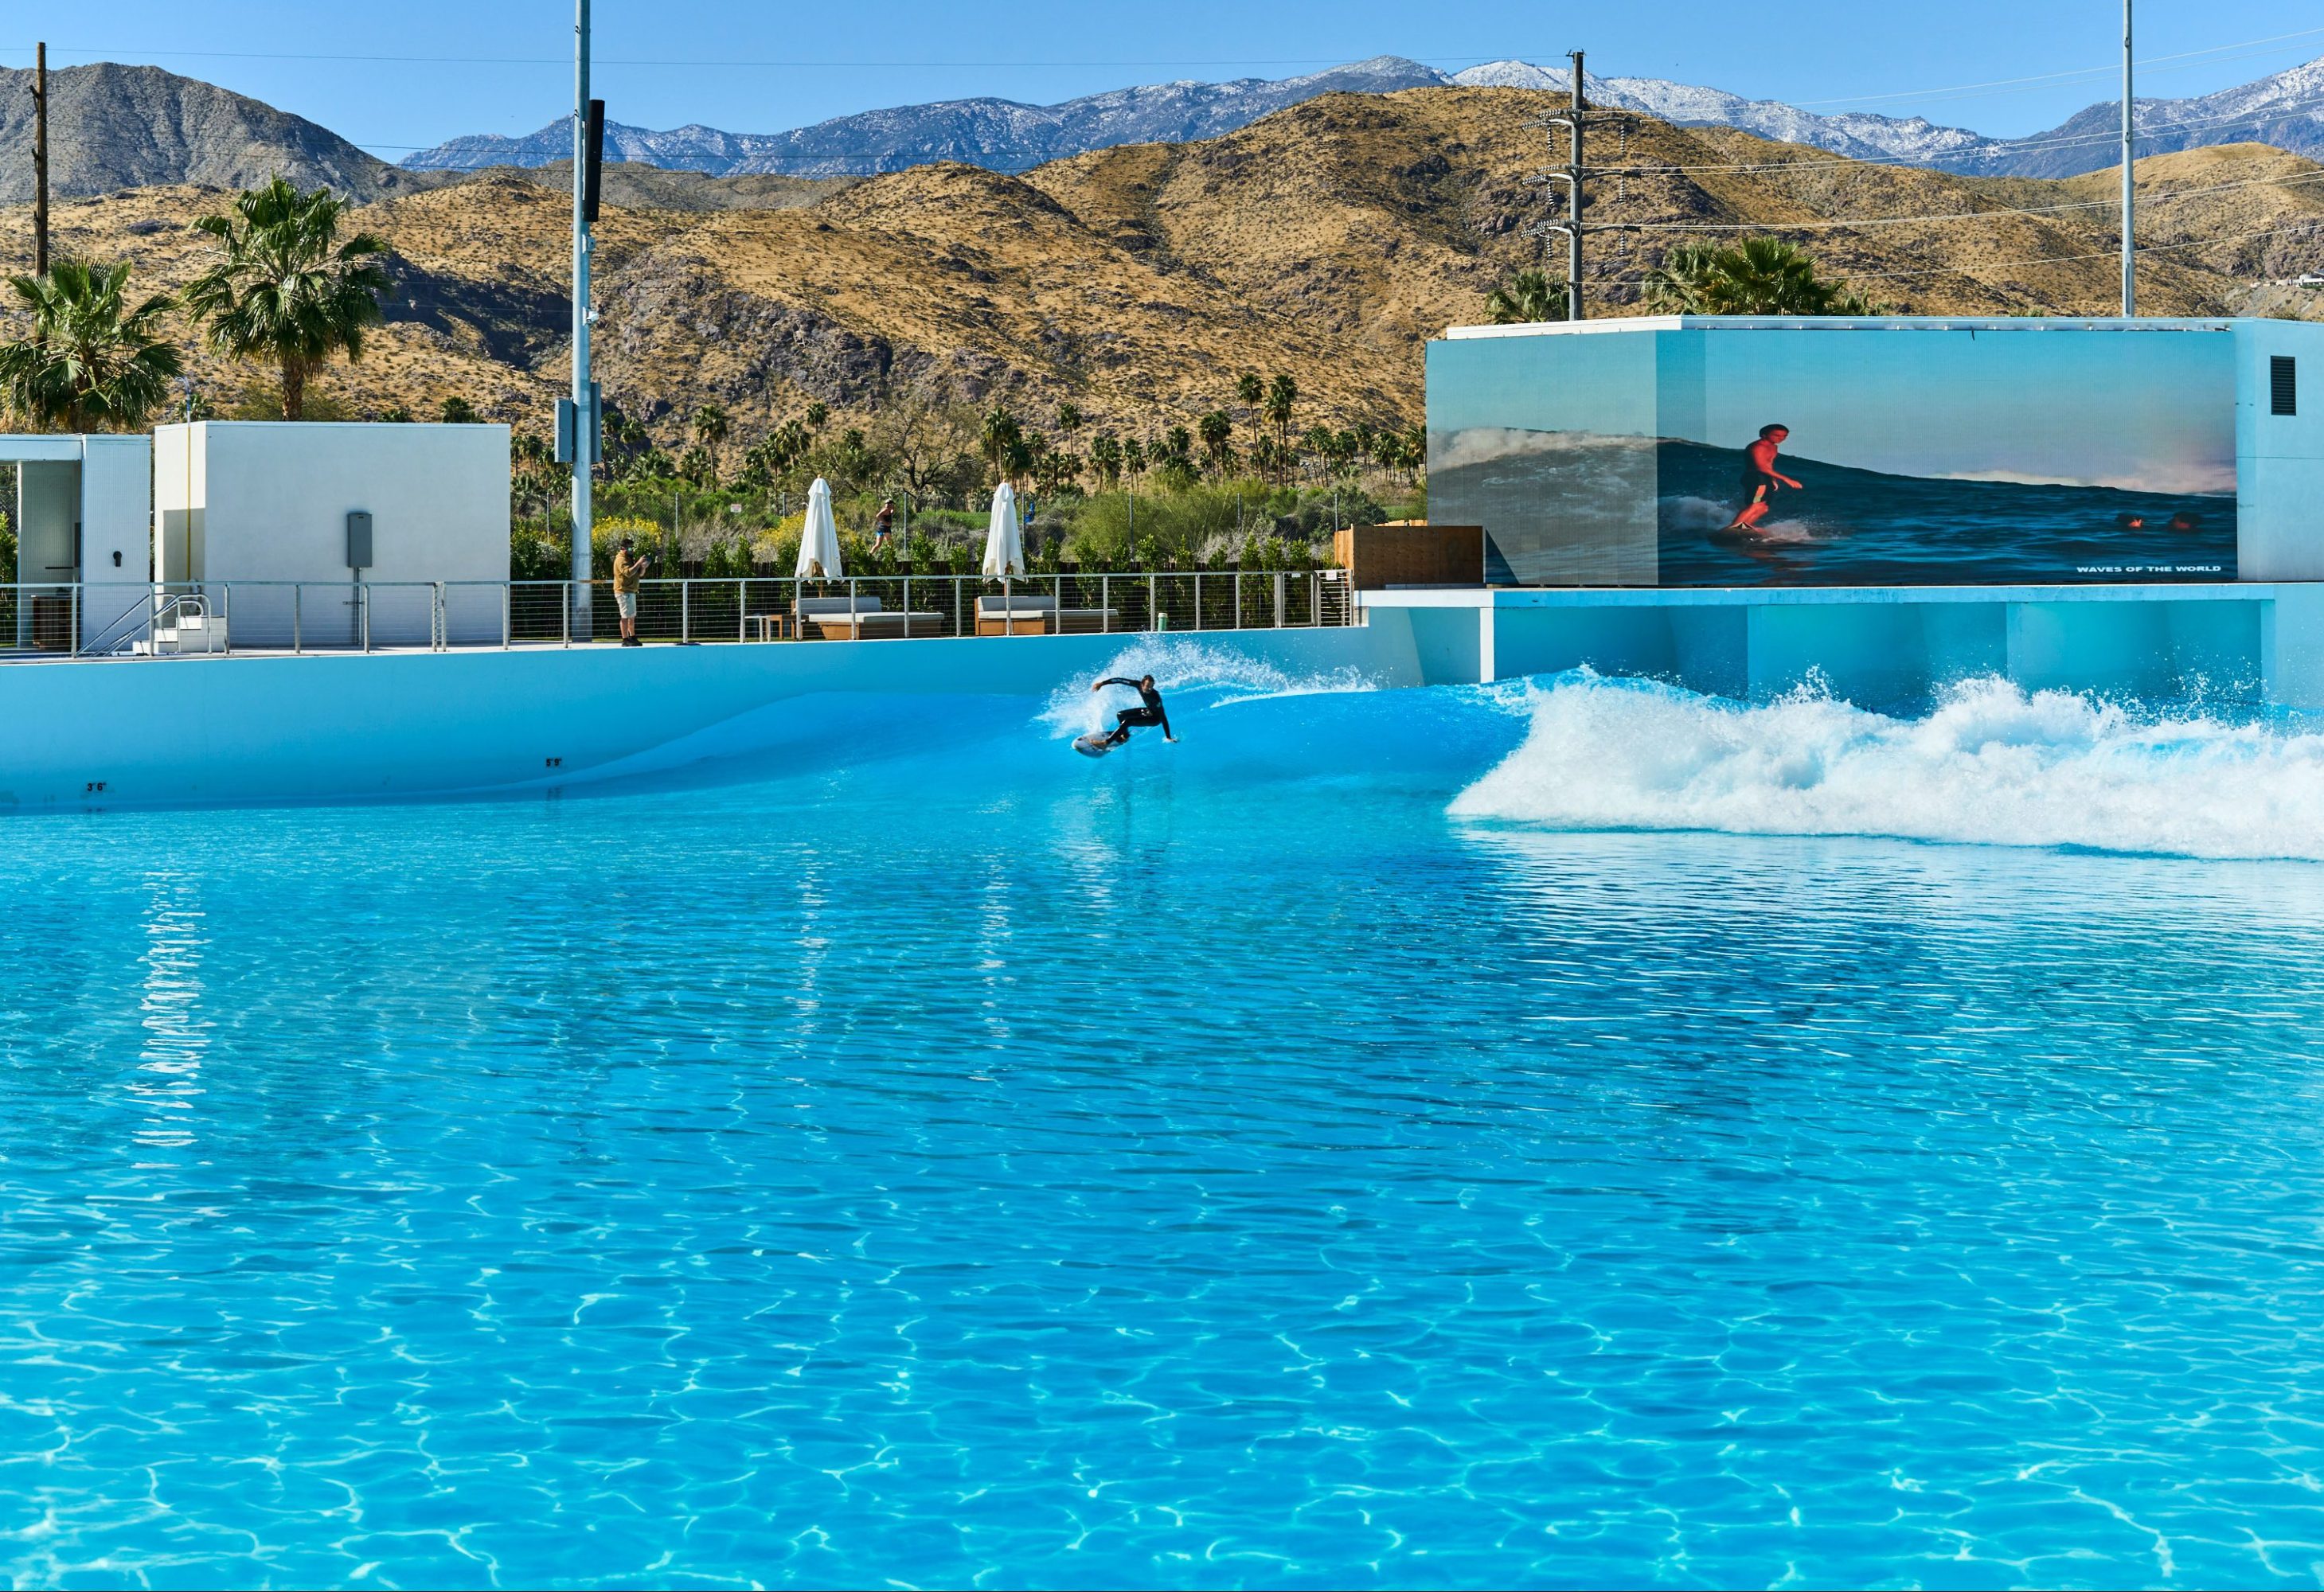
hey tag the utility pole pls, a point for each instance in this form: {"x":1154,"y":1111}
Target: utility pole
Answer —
{"x":1579,"y":116}
{"x":585,"y":430}
{"x":40,"y":159}
{"x":2129,"y":197}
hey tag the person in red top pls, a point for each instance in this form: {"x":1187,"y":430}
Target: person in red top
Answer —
{"x":1761,"y":480}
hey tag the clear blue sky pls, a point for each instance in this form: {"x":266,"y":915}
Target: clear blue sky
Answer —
{"x":773,"y":67}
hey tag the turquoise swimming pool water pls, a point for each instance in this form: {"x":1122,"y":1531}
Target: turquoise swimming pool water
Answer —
{"x":1572,"y":1134}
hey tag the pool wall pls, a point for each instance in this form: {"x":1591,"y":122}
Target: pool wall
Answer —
{"x":2256,"y":640}
{"x":244,"y":729}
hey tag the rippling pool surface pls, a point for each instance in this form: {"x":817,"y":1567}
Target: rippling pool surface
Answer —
{"x":1377,"y":1141}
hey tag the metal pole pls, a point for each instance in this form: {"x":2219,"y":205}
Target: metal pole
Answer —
{"x":40,"y":159}
{"x":1574,"y":193}
{"x":2129,"y":199}
{"x":295,"y":592}
{"x":584,"y":430}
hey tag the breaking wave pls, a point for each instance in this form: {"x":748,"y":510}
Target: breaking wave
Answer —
{"x":1990,"y":765}
{"x":1202,"y":676}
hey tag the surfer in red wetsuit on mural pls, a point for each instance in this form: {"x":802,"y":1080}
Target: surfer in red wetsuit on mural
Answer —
{"x":1761,"y":481}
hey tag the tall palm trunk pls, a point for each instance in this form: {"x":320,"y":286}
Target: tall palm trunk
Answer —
{"x":294,"y":387}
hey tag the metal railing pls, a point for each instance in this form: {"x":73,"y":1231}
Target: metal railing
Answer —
{"x":116,"y":619}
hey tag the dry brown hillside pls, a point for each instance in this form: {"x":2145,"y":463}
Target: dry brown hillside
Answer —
{"x":1327,"y":241}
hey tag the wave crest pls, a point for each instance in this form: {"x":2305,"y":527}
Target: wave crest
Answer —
{"x":1213,"y":677}
{"x":1992,"y":765}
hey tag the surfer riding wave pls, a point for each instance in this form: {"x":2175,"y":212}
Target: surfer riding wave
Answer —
{"x":1761,"y":481}
{"x":1148,"y":714}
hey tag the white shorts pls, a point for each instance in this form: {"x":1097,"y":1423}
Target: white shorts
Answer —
{"x":627,"y":603}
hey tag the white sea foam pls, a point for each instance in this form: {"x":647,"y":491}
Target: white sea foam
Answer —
{"x":1990,"y":765}
{"x":1692,"y":513}
{"x":1221,"y":676}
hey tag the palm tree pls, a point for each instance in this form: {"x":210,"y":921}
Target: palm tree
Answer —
{"x":1019,"y":456}
{"x":1069,"y":419}
{"x":91,"y":362}
{"x":1250,"y":390}
{"x":1528,"y":296}
{"x":285,"y":290}
{"x":1281,"y":393}
{"x":1759,"y":276}
{"x":817,"y":413}
{"x":458,"y":411}
{"x":710,"y":428}
{"x":1214,"y":430}
{"x":1055,"y":470}
{"x":1002,"y":432}
{"x":1106,"y":459}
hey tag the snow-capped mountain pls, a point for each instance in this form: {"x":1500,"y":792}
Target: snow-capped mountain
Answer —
{"x":1859,"y":136}
{"x":2286,"y":109}
{"x":999,"y":134}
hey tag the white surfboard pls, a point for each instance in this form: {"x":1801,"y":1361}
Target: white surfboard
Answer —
{"x":1093,"y":745}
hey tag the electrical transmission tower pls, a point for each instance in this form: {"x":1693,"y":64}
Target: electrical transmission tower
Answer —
{"x":1578,"y":119}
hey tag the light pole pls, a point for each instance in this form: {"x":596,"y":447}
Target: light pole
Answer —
{"x":585,"y":437}
{"x":2129,"y":193}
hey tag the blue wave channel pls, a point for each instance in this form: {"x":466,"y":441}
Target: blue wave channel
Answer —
{"x":1567,"y":1134}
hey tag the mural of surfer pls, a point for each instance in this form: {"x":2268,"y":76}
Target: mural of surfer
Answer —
{"x":1761,"y":481}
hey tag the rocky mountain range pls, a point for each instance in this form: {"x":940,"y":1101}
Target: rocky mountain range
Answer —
{"x":113,"y":127}
{"x":2286,"y":109}
{"x":1326,"y":241}
{"x":998,"y":134}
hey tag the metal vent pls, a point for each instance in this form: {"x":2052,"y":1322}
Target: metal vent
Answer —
{"x":2282,"y":385}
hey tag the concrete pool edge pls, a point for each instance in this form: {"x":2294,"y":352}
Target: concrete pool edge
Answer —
{"x":1880,"y":644}
{"x":240,"y":731}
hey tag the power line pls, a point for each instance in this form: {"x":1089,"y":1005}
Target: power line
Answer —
{"x":1469,"y":58}
{"x":2035,"y":210}
{"x":1825,"y":159}
{"x":2184,"y":56}
{"x":2144,"y":249}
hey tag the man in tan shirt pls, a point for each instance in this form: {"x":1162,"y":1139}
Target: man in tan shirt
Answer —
{"x":628,"y":570}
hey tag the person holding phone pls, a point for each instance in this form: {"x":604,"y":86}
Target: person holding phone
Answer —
{"x":629,"y":569}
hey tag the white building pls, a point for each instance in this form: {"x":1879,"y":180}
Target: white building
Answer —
{"x":257,"y":514}
{"x":80,"y":511}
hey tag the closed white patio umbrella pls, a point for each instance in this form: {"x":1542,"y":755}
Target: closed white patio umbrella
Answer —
{"x":818,"y":555}
{"x":1004,"y":543}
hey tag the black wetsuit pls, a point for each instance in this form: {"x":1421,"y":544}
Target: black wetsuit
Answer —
{"x":1145,"y":715}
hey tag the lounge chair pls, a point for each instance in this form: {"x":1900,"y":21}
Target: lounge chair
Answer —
{"x":1025,"y":613}
{"x":864,"y":619}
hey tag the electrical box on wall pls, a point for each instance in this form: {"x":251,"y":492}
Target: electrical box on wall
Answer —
{"x":359,"y":539}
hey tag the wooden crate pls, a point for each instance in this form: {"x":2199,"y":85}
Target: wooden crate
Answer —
{"x":1411,"y":554}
